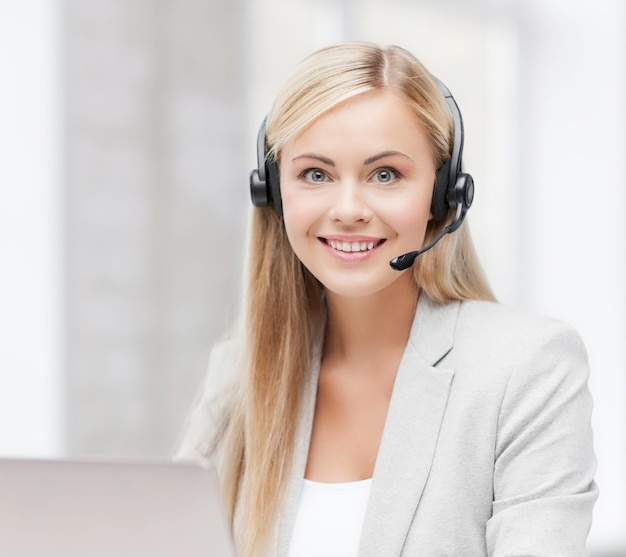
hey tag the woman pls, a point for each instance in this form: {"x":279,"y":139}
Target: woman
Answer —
{"x":366,"y":410}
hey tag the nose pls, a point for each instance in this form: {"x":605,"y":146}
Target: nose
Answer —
{"x":349,"y":204}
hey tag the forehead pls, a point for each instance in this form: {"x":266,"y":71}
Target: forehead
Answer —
{"x":372,"y":122}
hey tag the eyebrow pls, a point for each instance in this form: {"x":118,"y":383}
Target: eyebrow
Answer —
{"x":369,"y":160}
{"x":385,"y":154}
{"x":320,"y":158}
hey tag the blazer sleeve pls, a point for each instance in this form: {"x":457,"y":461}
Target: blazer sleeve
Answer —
{"x":198,"y":440}
{"x":544,"y":488}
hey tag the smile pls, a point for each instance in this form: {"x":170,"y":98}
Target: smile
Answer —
{"x":350,"y":247}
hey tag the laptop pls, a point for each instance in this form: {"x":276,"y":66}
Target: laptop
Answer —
{"x":96,"y":508}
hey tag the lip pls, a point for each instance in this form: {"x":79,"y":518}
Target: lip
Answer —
{"x":351,"y":256}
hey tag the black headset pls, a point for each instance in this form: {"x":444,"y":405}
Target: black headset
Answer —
{"x":265,"y":179}
{"x":453,"y":189}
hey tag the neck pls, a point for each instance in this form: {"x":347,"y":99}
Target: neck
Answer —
{"x":366,"y":328}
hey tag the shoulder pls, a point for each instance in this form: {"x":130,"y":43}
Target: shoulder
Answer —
{"x":212,"y":403}
{"x":495,"y":315}
{"x":222,"y":371}
{"x":519,"y":357}
{"x":531,"y":365}
{"x":496,"y":328}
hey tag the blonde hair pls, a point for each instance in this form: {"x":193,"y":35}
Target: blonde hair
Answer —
{"x":283,"y":305}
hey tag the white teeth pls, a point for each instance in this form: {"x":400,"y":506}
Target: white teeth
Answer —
{"x":351,"y":246}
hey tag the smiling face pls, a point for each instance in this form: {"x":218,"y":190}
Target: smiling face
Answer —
{"x":356,"y":188}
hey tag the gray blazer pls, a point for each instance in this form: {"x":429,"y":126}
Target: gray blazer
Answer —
{"x":487,"y":447}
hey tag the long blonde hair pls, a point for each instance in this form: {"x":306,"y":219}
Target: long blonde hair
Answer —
{"x":283,"y":302}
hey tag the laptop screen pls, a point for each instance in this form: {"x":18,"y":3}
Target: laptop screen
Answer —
{"x":94,"y":508}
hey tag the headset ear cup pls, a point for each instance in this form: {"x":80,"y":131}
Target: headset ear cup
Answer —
{"x":439,"y":206}
{"x":464,"y":190}
{"x":258,"y":190}
{"x":259,"y":180}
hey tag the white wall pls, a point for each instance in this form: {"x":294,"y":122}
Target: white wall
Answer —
{"x":31,"y":383}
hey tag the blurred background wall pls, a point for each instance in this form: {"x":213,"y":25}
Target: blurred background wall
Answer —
{"x":127,"y":131}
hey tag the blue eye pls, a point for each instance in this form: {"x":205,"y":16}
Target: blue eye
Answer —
{"x":385,"y":175}
{"x":315,"y":175}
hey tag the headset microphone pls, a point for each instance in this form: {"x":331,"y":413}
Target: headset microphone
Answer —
{"x":403,"y":262}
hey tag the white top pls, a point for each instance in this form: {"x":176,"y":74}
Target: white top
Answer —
{"x":329,"y":519}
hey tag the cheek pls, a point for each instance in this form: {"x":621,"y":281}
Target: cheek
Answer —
{"x":412,"y":216}
{"x":292,"y":230}
{"x":298,"y":217}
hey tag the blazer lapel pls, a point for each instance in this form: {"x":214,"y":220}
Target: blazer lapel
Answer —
{"x":407,"y":448}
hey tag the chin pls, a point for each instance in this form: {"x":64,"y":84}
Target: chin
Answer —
{"x":398,"y":284}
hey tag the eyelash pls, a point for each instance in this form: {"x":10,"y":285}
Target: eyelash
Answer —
{"x":395,"y":174}
{"x":304,"y":175}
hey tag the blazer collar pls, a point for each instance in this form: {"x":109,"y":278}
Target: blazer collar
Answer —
{"x":416,"y":410}
{"x":433,"y":328}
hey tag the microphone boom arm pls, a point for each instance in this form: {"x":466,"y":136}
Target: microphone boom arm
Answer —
{"x":404,"y":261}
